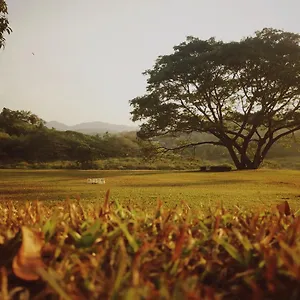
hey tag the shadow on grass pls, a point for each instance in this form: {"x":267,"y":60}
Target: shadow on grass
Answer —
{"x":65,"y":175}
{"x":209,"y":171}
{"x":30,"y":191}
{"x":186,"y":184}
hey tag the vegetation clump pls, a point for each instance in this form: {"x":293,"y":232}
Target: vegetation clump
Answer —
{"x":108,"y":251}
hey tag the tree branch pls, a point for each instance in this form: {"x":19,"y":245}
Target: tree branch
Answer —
{"x":286,"y":133}
{"x":191,"y":145}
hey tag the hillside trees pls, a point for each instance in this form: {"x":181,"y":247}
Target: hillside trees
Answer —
{"x":24,"y":137}
{"x":245,"y":94}
{"x":19,"y":122}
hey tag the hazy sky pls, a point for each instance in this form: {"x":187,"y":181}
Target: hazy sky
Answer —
{"x":89,"y":54}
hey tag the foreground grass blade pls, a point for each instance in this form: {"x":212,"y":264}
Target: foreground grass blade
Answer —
{"x":163,"y":254}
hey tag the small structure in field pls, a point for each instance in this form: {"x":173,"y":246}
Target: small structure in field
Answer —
{"x":96,"y":180}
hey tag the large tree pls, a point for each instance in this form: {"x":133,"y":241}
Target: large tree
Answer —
{"x":4,"y":23}
{"x":245,"y":94}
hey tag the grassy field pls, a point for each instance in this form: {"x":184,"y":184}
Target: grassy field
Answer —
{"x":64,"y":250}
{"x":142,"y":188}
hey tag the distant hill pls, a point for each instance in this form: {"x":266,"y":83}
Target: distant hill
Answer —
{"x":57,"y":126}
{"x":91,"y":127}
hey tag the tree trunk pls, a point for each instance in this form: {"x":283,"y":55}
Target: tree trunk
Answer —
{"x":244,"y":163}
{"x":234,"y":157}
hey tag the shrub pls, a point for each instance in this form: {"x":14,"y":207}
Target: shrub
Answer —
{"x":22,"y":165}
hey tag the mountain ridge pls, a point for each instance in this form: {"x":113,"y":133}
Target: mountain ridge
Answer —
{"x":91,"y":127}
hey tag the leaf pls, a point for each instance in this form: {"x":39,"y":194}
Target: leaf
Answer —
{"x":243,"y":239}
{"x":271,"y":265}
{"x":217,"y":224}
{"x":292,"y":252}
{"x":49,"y":228}
{"x":4,"y":285}
{"x":10,"y":249}
{"x":159,"y":209}
{"x":119,"y":210}
{"x":179,"y":243}
{"x":232,"y":251}
{"x":105,"y":208}
{"x":75,"y":235}
{"x":28,"y":260}
{"x":51,"y":280}
{"x":94,"y":228}
{"x":122,"y":264}
{"x":87,"y":238}
{"x":284,"y":208}
{"x":131,"y":240}
{"x":21,"y":292}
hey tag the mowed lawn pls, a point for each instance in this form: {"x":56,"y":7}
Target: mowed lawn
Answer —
{"x":246,"y":189}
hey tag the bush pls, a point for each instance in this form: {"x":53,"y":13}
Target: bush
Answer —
{"x":22,"y":165}
{"x":88,"y":165}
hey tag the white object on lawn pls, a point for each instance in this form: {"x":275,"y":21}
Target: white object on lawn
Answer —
{"x":96,"y":180}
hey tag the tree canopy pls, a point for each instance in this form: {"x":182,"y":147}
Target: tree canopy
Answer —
{"x":4,"y":23}
{"x":245,"y":94}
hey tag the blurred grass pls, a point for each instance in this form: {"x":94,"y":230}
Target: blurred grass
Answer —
{"x":246,"y":189}
{"x":78,"y":252}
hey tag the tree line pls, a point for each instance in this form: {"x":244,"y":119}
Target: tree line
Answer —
{"x":25,"y":138}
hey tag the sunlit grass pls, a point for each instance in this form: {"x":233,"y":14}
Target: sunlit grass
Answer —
{"x":162,"y":235}
{"x":142,"y":188}
{"x":108,"y":251}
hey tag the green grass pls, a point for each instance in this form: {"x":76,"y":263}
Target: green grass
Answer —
{"x":142,"y":188}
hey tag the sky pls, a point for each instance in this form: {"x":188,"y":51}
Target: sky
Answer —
{"x":77,"y":61}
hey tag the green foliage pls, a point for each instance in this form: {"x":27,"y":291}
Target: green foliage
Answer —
{"x":244,"y":94}
{"x":19,"y":122}
{"x":24,"y":137}
{"x":4,"y":23}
